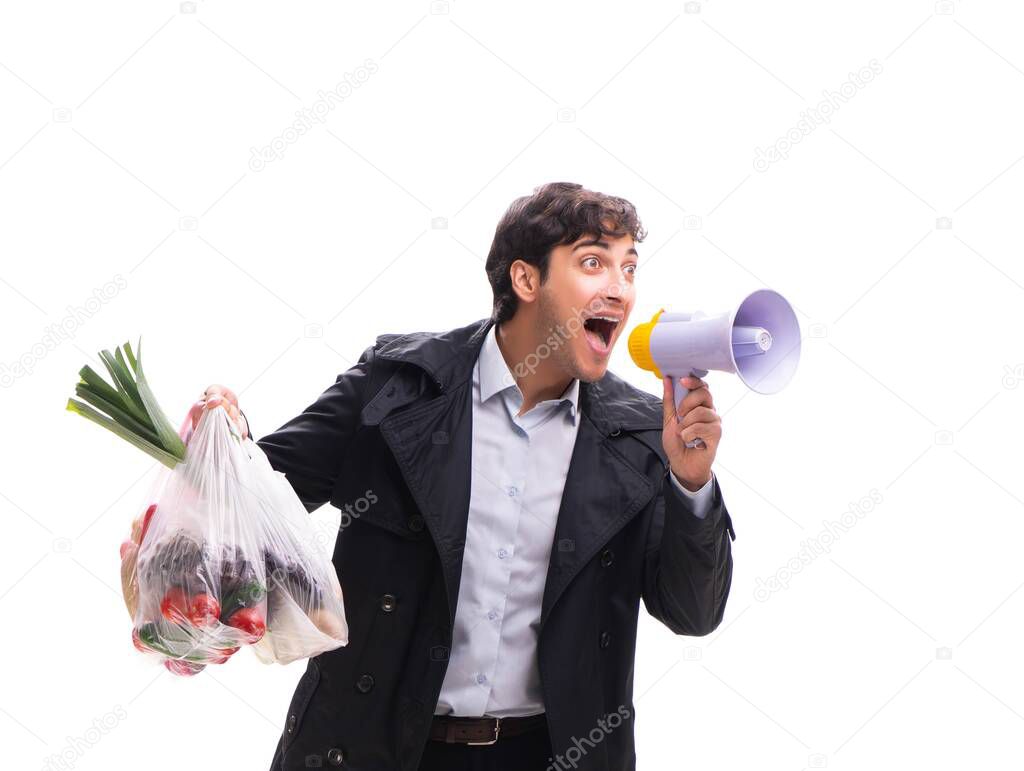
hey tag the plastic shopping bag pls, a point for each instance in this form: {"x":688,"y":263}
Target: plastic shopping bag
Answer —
{"x":227,"y":556}
{"x":223,"y":553}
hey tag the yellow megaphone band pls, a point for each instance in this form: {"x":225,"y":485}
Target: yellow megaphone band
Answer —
{"x":640,"y":346}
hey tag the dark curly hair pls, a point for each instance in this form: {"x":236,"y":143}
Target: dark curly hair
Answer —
{"x":556,"y":213}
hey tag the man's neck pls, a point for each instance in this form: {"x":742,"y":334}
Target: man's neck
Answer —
{"x":517,"y":345}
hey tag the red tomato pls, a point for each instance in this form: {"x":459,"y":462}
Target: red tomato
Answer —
{"x":183,"y":668}
{"x":222,"y":655}
{"x":203,"y":610}
{"x":145,"y":521}
{"x":250,"y":621}
{"x":174,"y":606}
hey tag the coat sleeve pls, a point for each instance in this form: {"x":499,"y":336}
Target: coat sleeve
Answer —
{"x":310,"y":448}
{"x":688,"y":562}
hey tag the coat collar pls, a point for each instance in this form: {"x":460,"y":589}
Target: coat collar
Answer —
{"x":449,"y":357}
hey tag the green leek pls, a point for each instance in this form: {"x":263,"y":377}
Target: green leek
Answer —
{"x":127,"y":408}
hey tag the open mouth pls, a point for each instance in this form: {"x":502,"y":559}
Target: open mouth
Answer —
{"x":600,"y":330}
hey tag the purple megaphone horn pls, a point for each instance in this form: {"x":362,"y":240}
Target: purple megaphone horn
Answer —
{"x":759,"y":341}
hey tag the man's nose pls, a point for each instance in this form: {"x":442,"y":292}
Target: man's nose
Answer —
{"x":614,"y":294}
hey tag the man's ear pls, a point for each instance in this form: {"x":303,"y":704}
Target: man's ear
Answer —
{"x":525,"y":280}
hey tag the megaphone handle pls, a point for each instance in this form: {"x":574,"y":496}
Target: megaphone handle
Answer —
{"x":680,"y":392}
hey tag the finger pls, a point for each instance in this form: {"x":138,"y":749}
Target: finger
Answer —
{"x":699,"y":415}
{"x":668,"y":402}
{"x":235,"y":415}
{"x":222,"y":392}
{"x":692,"y":382}
{"x":698,"y":397}
{"x":709,"y":432}
{"x":196,"y":412}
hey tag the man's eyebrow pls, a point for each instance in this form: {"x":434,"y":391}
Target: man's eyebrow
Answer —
{"x":602,"y":244}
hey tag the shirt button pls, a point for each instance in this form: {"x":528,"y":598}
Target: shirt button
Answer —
{"x":291,"y":723}
{"x":415,"y":523}
{"x":481,"y":679}
{"x":606,"y":639}
{"x":512,"y":491}
{"x":492,"y":615}
{"x":335,"y":756}
{"x":502,"y":553}
{"x":606,"y":557}
{"x":365,"y":683}
{"x":387,"y":603}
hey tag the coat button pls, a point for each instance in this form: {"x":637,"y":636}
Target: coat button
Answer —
{"x":606,"y":557}
{"x":387,"y":603}
{"x":439,"y":653}
{"x":365,"y":683}
{"x":606,"y":639}
{"x":335,"y":756}
{"x":291,"y":724}
{"x":415,"y":523}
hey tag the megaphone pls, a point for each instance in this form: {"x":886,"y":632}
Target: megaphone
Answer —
{"x":759,"y":341}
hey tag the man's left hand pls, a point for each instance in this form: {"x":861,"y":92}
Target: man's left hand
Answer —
{"x":697,"y":419}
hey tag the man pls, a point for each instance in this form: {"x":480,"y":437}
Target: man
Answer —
{"x":506,"y":504}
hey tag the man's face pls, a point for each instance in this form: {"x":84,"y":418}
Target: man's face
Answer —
{"x":589,"y":292}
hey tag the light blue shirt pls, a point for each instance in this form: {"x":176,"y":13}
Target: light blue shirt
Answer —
{"x":519,"y":466}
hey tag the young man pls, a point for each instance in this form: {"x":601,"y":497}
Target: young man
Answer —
{"x":507,"y":503}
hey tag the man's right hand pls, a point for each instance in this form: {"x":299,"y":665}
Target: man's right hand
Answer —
{"x":219,"y":396}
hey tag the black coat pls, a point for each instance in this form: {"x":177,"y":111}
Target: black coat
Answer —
{"x":389,"y":443}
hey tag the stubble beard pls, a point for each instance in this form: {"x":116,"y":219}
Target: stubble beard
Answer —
{"x":548,"y":325}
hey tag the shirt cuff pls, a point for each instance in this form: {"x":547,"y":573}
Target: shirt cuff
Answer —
{"x":700,"y":501}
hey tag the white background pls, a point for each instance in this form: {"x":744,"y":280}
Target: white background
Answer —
{"x":125,"y":151}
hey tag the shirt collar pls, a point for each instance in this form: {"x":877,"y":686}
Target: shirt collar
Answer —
{"x":495,"y":376}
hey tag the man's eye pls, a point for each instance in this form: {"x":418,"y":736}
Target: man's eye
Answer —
{"x":631,"y":269}
{"x":594,"y":260}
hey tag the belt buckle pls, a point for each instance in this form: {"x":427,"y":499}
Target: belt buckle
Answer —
{"x":497,"y":730}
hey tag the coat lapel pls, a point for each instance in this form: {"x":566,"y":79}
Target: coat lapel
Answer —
{"x":432,"y":445}
{"x":602,"y":493}
{"x":432,"y":441}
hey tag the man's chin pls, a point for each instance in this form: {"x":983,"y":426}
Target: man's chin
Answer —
{"x":588,"y":368}
{"x":591,"y":373}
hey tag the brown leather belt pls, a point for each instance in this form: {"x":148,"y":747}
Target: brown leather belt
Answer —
{"x":481,"y":730}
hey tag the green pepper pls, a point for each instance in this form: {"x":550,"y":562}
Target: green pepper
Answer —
{"x":151,"y":636}
{"x":246,"y":595}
